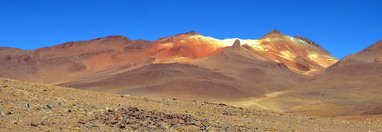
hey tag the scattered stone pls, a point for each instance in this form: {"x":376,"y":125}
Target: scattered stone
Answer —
{"x":122,"y":126}
{"x":204,"y":128}
{"x":34,"y":124}
{"x":44,"y":123}
{"x":81,"y":122}
{"x":150,"y":120}
{"x":27,"y":106}
{"x":222,"y":104}
{"x":125,"y":95}
{"x":49,"y":106}
{"x":204,"y":103}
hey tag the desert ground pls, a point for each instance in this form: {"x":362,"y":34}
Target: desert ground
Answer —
{"x":26,"y":106}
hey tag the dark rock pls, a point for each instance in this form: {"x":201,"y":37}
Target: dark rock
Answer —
{"x":49,"y":106}
{"x":310,"y":42}
{"x":236,"y":43}
{"x":81,"y":122}
{"x":122,"y":126}
{"x":34,"y":124}
{"x":221,"y":104}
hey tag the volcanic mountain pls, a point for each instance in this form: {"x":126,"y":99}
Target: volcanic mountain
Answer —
{"x":352,"y":86}
{"x":184,"y":65}
{"x":276,"y":71}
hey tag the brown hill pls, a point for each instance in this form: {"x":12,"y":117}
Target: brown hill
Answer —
{"x":352,"y":86}
{"x":73,"y":60}
{"x":243,"y":75}
{"x":170,"y":80}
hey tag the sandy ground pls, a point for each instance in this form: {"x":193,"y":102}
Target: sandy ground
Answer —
{"x":35,"y":107}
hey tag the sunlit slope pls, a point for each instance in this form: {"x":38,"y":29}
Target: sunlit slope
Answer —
{"x":352,"y":86}
{"x":297,"y":53}
{"x":185,"y":47}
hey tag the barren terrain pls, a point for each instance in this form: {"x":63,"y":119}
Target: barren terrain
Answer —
{"x":36,"y":107}
{"x":273,"y":83}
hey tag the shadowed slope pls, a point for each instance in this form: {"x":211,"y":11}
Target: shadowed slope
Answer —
{"x":168,"y":80}
{"x":73,"y":60}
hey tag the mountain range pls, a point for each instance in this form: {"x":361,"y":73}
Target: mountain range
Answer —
{"x":276,"y":71}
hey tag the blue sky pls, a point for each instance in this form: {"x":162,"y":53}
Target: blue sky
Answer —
{"x":340,"y":26}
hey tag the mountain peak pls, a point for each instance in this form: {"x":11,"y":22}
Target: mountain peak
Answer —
{"x":273,"y":33}
{"x":116,"y":37}
{"x":376,"y":47}
{"x":191,"y":33}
